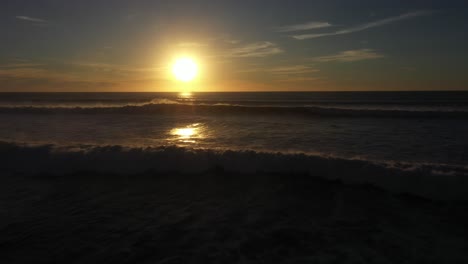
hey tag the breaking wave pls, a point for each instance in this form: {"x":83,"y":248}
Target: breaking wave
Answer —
{"x":165,"y":106}
{"x":437,"y":181}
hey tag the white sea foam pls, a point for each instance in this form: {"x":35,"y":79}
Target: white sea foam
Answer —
{"x":438,"y":181}
{"x":173,"y":106}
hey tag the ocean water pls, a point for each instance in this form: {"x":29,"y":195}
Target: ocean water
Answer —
{"x":429,"y":127}
{"x":409,"y":141}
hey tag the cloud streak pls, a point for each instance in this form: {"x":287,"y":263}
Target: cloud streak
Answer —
{"x":31,"y":19}
{"x":351,"y":56}
{"x":366,"y":26}
{"x":121,"y":71}
{"x":255,"y":50}
{"x":300,"y":79}
{"x":285,"y":70}
{"x":292,"y":70}
{"x":191,"y":45}
{"x":302,"y":27}
{"x":35,"y":73}
{"x":22,"y":65}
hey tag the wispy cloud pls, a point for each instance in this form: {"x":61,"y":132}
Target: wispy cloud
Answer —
{"x":22,"y":65}
{"x":284,"y":70}
{"x":34,"y":73}
{"x":191,"y":44}
{"x":350,"y":56}
{"x":258,"y":49}
{"x":296,"y":69}
{"x":362,"y":27}
{"x":287,"y":73}
{"x":301,"y":27}
{"x":226,"y":38}
{"x":25,"y":79}
{"x":300,"y":79}
{"x":232,"y":41}
{"x":78,"y":76}
{"x":31,"y":19}
{"x":117,"y":69}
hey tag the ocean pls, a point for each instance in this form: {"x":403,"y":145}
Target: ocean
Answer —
{"x":378,"y":177}
{"x":419,"y":131}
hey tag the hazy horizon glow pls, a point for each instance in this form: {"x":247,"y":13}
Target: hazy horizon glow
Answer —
{"x":85,"y":46}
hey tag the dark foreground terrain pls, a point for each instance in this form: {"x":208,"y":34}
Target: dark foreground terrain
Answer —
{"x":221,"y":217}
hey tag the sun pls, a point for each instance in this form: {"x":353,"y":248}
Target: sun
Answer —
{"x":185,"y":69}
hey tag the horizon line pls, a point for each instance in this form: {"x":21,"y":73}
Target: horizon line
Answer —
{"x":293,"y":91}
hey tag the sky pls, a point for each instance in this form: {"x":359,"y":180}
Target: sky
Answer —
{"x":256,"y":45}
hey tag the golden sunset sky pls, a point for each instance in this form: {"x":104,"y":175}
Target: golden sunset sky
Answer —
{"x":95,"y":46}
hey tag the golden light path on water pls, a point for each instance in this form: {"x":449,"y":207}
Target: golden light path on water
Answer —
{"x":184,"y":132}
{"x":188,"y":134}
{"x":185,"y":95}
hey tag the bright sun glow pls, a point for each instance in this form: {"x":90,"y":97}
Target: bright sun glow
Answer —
{"x":184,"y":132}
{"x":189,"y":134}
{"x":185,"y":69}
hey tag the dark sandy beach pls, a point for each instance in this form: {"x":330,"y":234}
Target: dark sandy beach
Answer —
{"x":222,"y":217}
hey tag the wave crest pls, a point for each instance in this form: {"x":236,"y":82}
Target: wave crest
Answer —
{"x":439,"y":181}
{"x":165,"y":106}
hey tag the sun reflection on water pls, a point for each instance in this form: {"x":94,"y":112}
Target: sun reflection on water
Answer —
{"x":188,"y":134}
{"x":184,"y":132}
{"x":185,"y":95}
